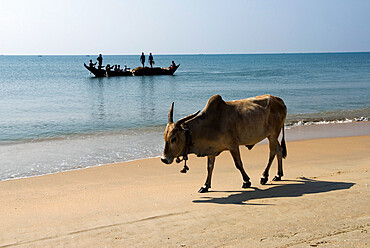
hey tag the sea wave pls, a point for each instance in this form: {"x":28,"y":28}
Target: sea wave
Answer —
{"x":321,"y":122}
{"x":328,"y":117}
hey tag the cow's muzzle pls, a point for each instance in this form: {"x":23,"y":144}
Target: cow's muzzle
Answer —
{"x":166,"y":161}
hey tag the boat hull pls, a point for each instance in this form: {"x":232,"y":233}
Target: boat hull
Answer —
{"x":148,"y":71}
{"x":118,"y":73}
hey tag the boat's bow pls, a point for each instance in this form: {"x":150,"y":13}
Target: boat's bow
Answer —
{"x":95,"y":71}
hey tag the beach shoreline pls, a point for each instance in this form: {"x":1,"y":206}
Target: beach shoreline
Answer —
{"x":322,"y":200}
{"x":293,"y":133}
{"x":329,"y":130}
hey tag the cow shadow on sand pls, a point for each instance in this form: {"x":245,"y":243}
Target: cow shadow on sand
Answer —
{"x":294,"y":188}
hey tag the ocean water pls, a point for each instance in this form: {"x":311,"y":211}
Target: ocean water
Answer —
{"x":55,"y":116}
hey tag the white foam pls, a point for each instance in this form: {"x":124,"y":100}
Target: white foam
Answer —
{"x":324,"y":122}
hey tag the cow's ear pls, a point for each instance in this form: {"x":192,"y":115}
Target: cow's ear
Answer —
{"x":186,"y":118}
{"x":170,"y":114}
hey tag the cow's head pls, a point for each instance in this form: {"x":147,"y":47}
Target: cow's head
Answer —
{"x":174,"y":137}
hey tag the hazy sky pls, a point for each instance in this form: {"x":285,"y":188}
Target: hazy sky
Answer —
{"x":183,"y":27}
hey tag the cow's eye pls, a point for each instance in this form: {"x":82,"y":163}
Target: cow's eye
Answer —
{"x":173,"y":140}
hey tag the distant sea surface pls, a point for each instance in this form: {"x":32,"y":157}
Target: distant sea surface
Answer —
{"x":55,"y":116}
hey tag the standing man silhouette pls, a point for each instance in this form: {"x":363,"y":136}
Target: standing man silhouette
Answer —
{"x":151,"y":61}
{"x":142,"y":59}
{"x":100,"y":60}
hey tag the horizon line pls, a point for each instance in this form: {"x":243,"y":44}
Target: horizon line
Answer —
{"x":134,"y":54}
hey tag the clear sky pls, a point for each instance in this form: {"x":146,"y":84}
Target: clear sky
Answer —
{"x":183,"y":27}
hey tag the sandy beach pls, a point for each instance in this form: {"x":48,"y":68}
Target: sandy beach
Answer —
{"x":323,"y":200}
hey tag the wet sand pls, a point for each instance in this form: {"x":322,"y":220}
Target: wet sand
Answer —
{"x":323,"y":200}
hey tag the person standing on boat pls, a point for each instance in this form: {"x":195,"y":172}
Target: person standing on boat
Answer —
{"x":151,"y":61}
{"x":100,"y":60}
{"x":142,"y":59}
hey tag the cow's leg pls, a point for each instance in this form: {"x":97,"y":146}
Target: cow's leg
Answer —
{"x":280,"y":164}
{"x":273,"y":144}
{"x":210,"y":166}
{"x":239,"y":165}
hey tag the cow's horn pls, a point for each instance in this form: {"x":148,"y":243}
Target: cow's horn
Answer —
{"x":170,"y":114}
{"x":186,"y":118}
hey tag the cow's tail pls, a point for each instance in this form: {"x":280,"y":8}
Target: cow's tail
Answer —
{"x":283,"y":145}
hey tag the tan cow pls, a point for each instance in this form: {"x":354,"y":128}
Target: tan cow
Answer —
{"x":225,"y":126}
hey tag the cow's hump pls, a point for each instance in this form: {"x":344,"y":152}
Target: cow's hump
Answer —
{"x":215,"y":99}
{"x":214,"y":103}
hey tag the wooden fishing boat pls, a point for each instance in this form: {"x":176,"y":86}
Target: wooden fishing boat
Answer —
{"x":97,"y":72}
{"x":148,"y":71}
{"x":139,"y":71}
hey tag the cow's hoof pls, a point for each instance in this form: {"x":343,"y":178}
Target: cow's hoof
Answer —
{"x":277,"y":178}
{"x":246,"y":185}
{"x":264,"y":180}
{"x":185,"y":169}
{"x":203,"y":189}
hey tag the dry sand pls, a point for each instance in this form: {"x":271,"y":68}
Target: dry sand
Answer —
{"x":322,"y":202}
